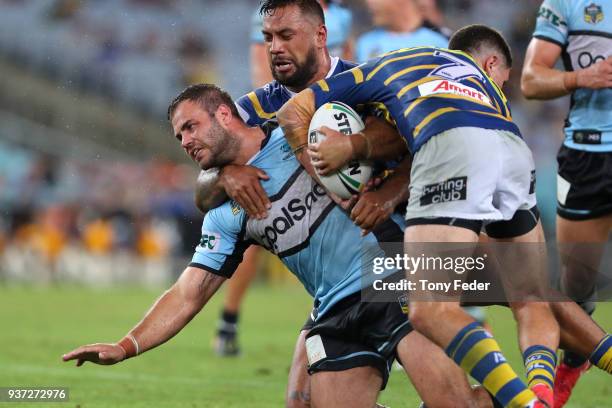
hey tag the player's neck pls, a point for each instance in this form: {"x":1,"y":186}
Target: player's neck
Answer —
{"x":250,"y":143}
{"x":407,"y":20}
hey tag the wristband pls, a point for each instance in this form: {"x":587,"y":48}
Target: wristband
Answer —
{"x":130,"y":346}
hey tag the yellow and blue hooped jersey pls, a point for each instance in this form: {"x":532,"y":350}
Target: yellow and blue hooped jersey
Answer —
{"x":425,"y":91}
{"x":261,"y":105}
{"x":583,"y":30}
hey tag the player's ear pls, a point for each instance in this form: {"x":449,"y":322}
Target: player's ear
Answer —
{"x":491,"y":63}
{"x":321,"y":38}
{"x":224,"y":115}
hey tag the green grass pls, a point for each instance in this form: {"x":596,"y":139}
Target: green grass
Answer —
{"x":40,"y":324}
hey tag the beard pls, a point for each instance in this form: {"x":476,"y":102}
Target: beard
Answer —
{"x":224,"y":148}
{"x":303,"y":72}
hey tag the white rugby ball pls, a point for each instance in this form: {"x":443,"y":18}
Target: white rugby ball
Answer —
{"x":351,"y":178}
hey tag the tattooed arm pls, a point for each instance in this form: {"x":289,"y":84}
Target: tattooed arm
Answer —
{"x":170,"y":313}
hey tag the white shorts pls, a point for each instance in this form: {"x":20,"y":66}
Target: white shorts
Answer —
{"x":473,"y":174}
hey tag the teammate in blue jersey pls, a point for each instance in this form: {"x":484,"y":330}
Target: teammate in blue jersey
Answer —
{"x":351,"y":344}
{"x":579,"y":33}
{"x":399,"y":24}
{"x":338,"y":20}
{"x":451,"y":112}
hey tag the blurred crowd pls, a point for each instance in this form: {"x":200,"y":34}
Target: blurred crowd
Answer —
{"x":49,"y":205}
{"x":140,"y":53}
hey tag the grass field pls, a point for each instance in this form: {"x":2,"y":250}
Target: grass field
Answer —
{"x":40,"y":324}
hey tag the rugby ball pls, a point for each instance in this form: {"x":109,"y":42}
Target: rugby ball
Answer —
{"x":351,"y":178}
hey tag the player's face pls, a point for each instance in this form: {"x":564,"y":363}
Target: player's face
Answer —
{"x":201,"y":136}
{"x":381,"y":11}
{"x":290,"y":40}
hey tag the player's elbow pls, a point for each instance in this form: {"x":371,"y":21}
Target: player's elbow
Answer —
{"x":528,"y":85}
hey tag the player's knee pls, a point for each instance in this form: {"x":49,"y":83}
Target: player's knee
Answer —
{"x":422,"y":314}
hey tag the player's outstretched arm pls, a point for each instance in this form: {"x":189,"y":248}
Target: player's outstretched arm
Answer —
{"x":240,"y":183}
{"x":170,"y":313}
{"x":540,"y":80}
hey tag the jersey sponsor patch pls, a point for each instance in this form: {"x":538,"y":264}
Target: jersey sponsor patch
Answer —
{"x":294,"y":216}
{"x":451,"y":87}
{"x":453,"y":189}
{"x":210,"y":240}
{"x":315,"y":349}
{"x":587,"y":136}
{"x":457,"y":69}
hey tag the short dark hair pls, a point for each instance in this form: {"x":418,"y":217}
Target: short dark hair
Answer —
{"x":307,"y":7}
{"x":208,"y":95}
{"x":473,"y":38}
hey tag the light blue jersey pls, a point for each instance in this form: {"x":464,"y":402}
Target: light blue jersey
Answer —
{"x":381,"y":41}
{"x":583,"y":29}
{"x":311,"y":235}
{"x":338,"y":21}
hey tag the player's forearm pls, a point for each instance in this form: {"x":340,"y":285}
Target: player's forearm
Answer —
{"x":378,"y":141}
{"x":209,"y":192}
{"x":399,"y":181}
{"x":294,"y":118}
{"x":173,"y":310}
{"x":541,"y":82}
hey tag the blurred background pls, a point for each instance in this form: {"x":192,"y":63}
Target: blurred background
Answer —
{"x":93,"y":188}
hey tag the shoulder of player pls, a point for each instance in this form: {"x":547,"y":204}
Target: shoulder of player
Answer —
{"x":227,"y":218}
{"x":262,"y":103}
{"x":344,"y":65}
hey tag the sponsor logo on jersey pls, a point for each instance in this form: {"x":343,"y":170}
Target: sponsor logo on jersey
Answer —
{"x":453,"y":189}
{"x":294,"y":211}
{"x":593,"y":13}
{"x":549,"y":14}
{"x":450,"y":87}
{"x":587,"y":136}
{"x":210,"y":240}
{"x":458,"y":69}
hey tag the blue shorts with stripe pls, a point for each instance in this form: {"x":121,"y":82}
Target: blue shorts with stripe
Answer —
{"x":357,"y":334}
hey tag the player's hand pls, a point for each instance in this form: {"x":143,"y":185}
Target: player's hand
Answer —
{"x":242,"y":184}
{"x":99,"y":353}
{"x":597,"y":76}
{"x":372,"y":209}
{"x":332,"y":153}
